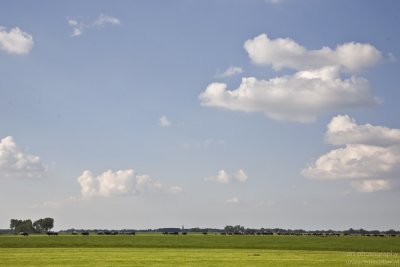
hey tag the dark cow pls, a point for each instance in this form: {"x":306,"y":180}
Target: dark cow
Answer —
{"x":184,"y":233}
{"x":85,"y":233}
{"x":52,"y":233}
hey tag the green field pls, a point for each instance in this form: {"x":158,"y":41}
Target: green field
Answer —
{"x":198,"y":250}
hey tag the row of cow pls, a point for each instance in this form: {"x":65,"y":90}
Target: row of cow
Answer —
{"x":86,"y":233}
{"x":104,"y":233}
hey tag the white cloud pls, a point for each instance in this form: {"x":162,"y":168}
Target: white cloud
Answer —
{"x":106,"y":184}
{"x":369,"y":186}
{"x":241,"y":176}
{"x":105,"y":19}
{"x":224,"y":177}
{"x":284,"y":52}
{"x":14,"y":163}
{"x":356,"y":161}
{"x":175,"y":190}
{"x":15,"y":41}
{"x":232,"y":200}
{"x":164,"y":121}
{"x":122,"y":182}
{"x":344,"y":130}
{"x":320,"y":85}
{"x":300,"y":97}
{"x":79,"y":26}
{"x":231,"y":71}
{"x":370,"y":158}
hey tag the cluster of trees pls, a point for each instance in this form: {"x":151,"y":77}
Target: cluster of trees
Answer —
{"x":39,"y":226}
{"x":234,"y":229}
{"x":351,"y":231}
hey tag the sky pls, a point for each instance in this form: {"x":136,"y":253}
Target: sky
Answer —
{"x":147,"y":114}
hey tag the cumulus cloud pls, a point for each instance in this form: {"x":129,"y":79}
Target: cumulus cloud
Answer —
{"x":79,"y":26}
{"x":175,"y":189}
{"x":105,"y":19}
{"x":164,"y":121}
{"x":285,"y":52}
{"x":232,"y":200}
{"x":224,"y":177}
{"x":15,"y":41}
{"x":15,"y":163}
{"x":231,"y":71}
{"x":324,"y":81}
{"x":356,"y":161}
{"x":370,"y":158}
{"x":344,"y":130}
{"x":300,"y":97}
{"x":241,"y":176}
{"x":121,"y":182}
{"x":368,"y":186}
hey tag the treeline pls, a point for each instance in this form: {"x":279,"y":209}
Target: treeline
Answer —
{"x":239,"y":229}
{"x":242,"y":230}
{"x":155,"y":230}
{"x":46,"y":224}
{"x":26,"y":226}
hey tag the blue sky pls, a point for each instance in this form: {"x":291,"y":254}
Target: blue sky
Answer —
{"x":147,"y":114}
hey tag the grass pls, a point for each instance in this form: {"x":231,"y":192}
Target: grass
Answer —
{"x":198,"y":250}
{"x":334,"y":243}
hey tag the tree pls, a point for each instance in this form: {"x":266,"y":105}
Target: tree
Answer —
{"x":24,"y":226}
{"x":14,"y":223}
{"x":238,"y":229}
{"x":47,"y":224}
{"x":43,"y":225}
{"x":228,"y":229}
{"x":38,"y":225}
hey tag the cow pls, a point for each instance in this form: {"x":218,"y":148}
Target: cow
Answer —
{"x":85,"y":233}
{"x":52,"y":233}
{"x":24,"y":233}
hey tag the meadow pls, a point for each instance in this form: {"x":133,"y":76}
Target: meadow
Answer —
{"x":198,"y":250}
